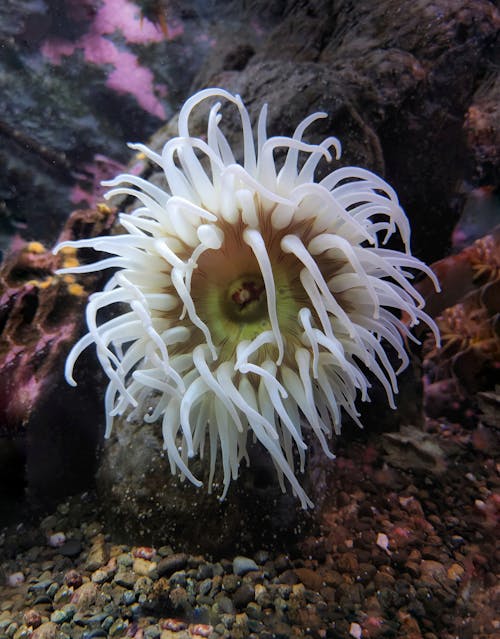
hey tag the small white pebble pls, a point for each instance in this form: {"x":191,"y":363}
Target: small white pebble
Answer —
{"x":383,"y":542}
{"x":404,"y":501}
{"x":355,"y":630}
{"x":15,"y":579}
{"x":56,"y":540}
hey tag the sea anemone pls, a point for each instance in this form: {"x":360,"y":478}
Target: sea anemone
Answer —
{"x":251,"y":302}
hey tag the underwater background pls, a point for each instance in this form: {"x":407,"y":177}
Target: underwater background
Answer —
{"x":99,"y":540}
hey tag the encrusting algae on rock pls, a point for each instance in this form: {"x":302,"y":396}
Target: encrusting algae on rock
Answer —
{"x":41,"y":316}
{"x":250,"y":300}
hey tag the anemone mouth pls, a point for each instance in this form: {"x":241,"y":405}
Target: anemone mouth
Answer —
{"x":246,"y":299}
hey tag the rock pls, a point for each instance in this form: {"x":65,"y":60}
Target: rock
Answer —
{"x":32,"y":618}
{"x":125,"y":578}
{"x":243,"y":595}
{"x":71,"y":548}
{"x":73,"y":579}
{"x":432,"y":572}
{"x":379,"y":87}
{"x":455,"y":572}
{"x":145,"y":503}
{"x":412,"y":448}
{"x":144,"y":567}
{"x":85,"y":596}
{"x":168,"y":565}
{"x":262,"y":596}
{"x":310,"y":578}
{"x":98,"y":554}
{"x":230,"y":583}
{"x":70,"y":111}
{"x":242,"y":565}
{"x":41,"y":317}
{"x":47,"y":630}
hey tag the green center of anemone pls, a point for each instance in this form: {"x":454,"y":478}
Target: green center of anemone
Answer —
{"x":236,"y":310}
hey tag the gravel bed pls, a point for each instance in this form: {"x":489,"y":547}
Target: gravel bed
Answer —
{"x":399,"y":554}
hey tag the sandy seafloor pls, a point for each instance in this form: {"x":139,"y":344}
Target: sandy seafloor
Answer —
{"x":400,"y":553}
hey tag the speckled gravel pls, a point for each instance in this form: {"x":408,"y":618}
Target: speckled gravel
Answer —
{"x":399,"y":555}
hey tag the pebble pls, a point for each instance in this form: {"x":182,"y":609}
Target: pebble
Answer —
{"x":261,"y":556}
{"x":144,"y":552}
{"x":98,"y":554}
{"x":64,"y":614}
{"x":383,"y":542}
{"x":262,"y":596}
{"x":70,"y":548}
{"x":204,"y":571}
{"x":242,"y":565}
{"x":205,"y":587}
{"x":168,"y":565}
{"x":56,"y":539}
{"x":48,"y":630}
{"x":85,"y":596}
{"x":243,"y":595}
{"x":15,"y":579}
{"x":355,"y":630}
{"x":117,"y":628}
{"x":73,"y":579}
{"x":200,"y":630}
{"x":310,"y":578}
{"x":144,"y":567}
{"x":230,"y":582}
{"x":432,"y":572}
{"x":63,"y":594}
{"x":455,"y":572}
{"x":169,"y":634}
{"x":224,"y":605}
{"x":143,"y":586}
{"x":125,"y":578}
{"x":178,"y":579}
{"x":32,"y":618}
{"x":21,"y":632}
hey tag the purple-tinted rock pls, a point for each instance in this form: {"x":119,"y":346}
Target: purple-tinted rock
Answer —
{"x":41,"y":317}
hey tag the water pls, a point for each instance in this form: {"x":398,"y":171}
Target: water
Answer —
{"x":97,"y":538}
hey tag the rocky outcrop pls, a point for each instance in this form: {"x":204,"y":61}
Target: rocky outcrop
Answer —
{"x":41,"y":316}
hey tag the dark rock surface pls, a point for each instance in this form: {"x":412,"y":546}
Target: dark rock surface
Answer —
{"x":412,"y":92}
{"x":144,"y":501}
{"x":400,"y":86}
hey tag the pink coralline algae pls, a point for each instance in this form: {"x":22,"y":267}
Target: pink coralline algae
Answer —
{"x":127,"y":74}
